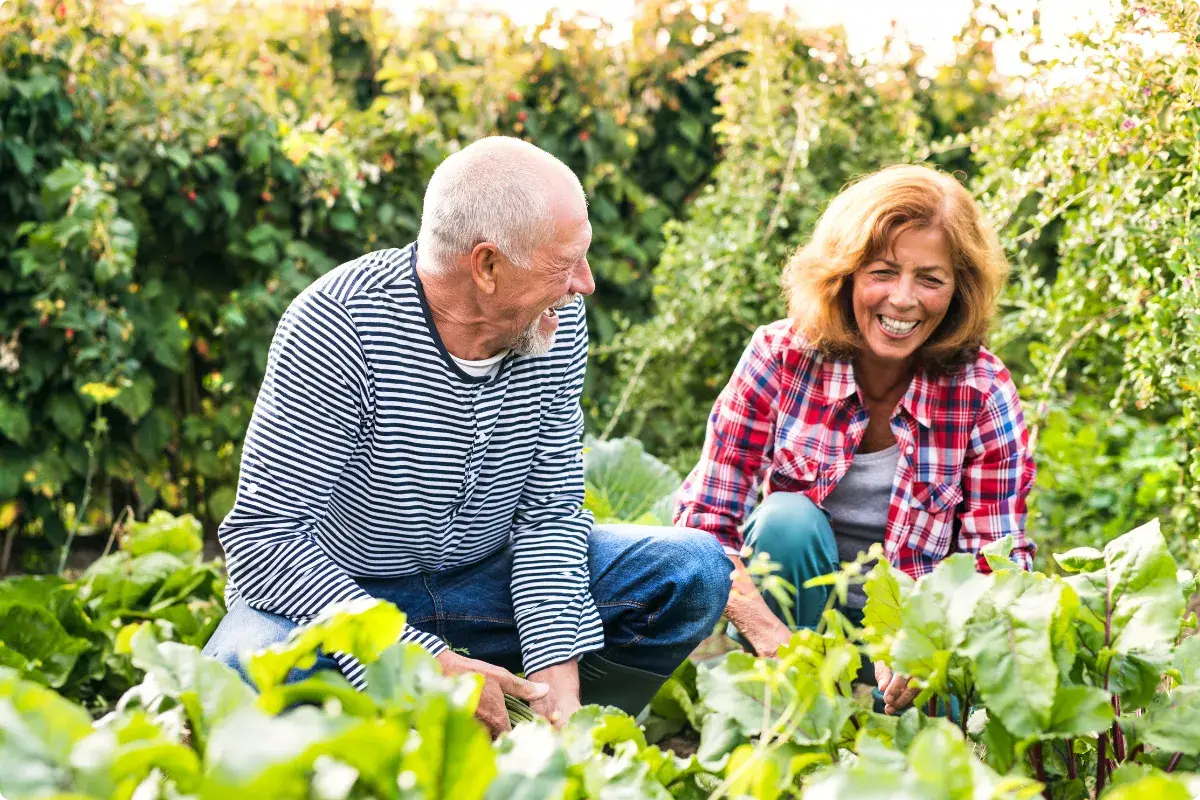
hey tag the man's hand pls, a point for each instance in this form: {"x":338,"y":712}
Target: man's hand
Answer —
{"x":563,"y":698}
{"x":897,"y":694}
{"x":497,"y":682}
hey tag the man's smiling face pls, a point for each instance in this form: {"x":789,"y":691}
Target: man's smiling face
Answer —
{"x":559,"y":273}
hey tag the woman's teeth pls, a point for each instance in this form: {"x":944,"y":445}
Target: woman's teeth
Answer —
{"x":897,"y":327}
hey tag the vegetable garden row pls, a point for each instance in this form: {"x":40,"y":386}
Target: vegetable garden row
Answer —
{"x":1079,"y":685}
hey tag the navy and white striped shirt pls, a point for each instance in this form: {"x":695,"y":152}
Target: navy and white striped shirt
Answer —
{"x":372,"y":454}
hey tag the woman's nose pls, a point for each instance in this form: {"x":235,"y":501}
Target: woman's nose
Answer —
{"x":902,"y":296}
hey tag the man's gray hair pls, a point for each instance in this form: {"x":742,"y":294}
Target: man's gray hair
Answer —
{"x":493,"y":190}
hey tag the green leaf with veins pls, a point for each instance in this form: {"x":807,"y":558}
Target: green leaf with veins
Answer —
{"x":363,"y":628}
{"x":1009,"y":641}
{"x":886,"y":588}
{"x":933,"y":624}
{"x":1130,"y":615}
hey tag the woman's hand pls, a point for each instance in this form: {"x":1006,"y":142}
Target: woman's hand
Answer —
{"x":767,"y":636}
{"x":749,"y":612}
{"x":897,"y":693}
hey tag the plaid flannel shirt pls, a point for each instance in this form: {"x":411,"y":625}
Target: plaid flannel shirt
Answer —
{"x":794,"y":415}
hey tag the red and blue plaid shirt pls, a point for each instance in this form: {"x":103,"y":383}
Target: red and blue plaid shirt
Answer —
{"x":796,"y":417}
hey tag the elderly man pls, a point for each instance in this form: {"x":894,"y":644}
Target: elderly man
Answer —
{"x":417,"y":439}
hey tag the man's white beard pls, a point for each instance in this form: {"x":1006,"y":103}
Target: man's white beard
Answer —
{"x":532,"y":342}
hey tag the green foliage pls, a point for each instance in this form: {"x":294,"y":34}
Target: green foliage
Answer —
{"x":1054,"y":672}
{"x":1054,"y":669}
{"x":1131,"y":597}
{"x":1101,"y":473}
{"x":168,"y":190}
{"x":1091,"y":177}
{"x":355,"y":627}
{"x":938,"y":764}
{"x":624,"y":483}
{"x":65,"y":634}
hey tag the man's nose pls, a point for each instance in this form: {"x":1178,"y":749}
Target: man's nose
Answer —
{"x":582,"y":281}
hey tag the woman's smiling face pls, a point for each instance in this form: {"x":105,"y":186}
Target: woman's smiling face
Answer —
{"x":900,"y":298}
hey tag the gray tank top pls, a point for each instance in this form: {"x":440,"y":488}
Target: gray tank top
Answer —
{"x":858,"y":507}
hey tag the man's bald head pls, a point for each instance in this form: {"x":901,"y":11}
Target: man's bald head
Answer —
{"x":500,"y":190}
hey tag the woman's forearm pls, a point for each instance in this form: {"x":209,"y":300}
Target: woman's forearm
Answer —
{"x":747,"y":609}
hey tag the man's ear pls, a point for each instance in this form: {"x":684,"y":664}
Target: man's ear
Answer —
{"x":485,"y":261}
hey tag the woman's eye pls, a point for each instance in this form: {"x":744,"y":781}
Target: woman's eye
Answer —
{"x":932,"y":281}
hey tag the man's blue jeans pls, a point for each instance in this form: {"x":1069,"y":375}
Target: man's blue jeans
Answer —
{"x":660,"y":591}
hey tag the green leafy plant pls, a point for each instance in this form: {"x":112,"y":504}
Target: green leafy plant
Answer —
{"x":624,"y":483}
{"x":1075,"y":686}
{"x":1092,"y":182}
{"x":1100,"y":472}
{"x":64,"y":634}
{"x":1073,"y":683}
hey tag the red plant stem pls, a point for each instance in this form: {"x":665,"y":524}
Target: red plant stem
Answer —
{"x":931,"y":707}
{"x":1101,"y":762}
{"x":1118,"y":735}
{"x":1039,"y":763}
{"x":1136,"y":751}
{"x":1174,"y":762}
{"x":1072,"y":768}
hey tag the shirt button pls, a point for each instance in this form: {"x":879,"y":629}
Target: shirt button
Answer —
{"x":909,"y":449}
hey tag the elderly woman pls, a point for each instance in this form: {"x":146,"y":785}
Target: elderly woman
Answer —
{"x":874,"y":411}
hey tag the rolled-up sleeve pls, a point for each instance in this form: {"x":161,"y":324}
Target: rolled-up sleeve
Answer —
{"x":997,"y":476}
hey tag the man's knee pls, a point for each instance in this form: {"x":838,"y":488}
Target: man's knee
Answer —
{"x":244,"y":631}
{"x":701,"y":575}
{"x":790,"y":529}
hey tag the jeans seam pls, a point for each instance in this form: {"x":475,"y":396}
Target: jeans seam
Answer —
{"x":437,"y":608}
{"x":621,"y":604}
{"x":638,"y":638}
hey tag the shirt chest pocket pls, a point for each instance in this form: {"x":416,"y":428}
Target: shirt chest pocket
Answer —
{"x":794,"y":471}
{"x":932,"y":512}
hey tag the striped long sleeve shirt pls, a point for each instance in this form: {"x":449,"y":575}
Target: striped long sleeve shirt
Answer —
{"x":370,"y":453}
